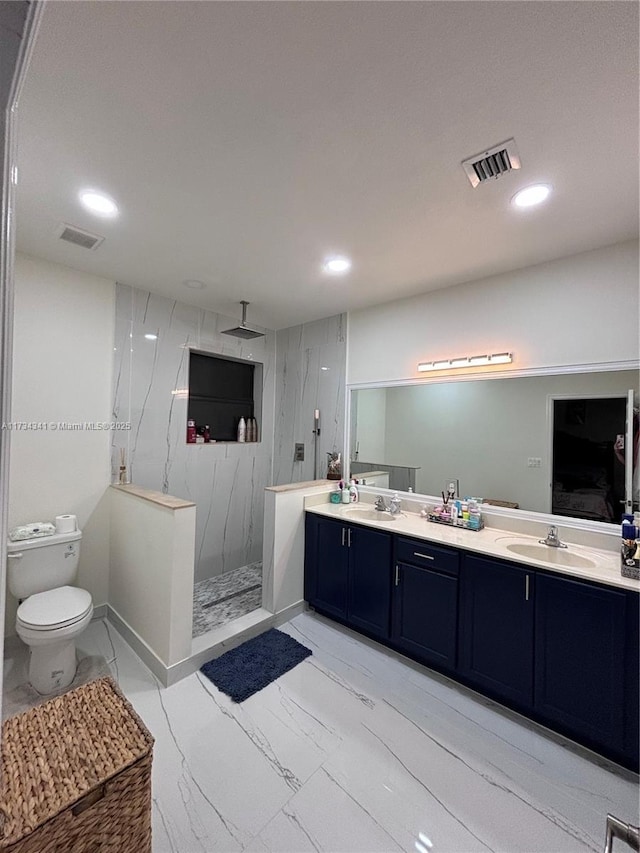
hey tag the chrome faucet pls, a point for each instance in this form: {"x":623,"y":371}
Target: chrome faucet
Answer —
{"x":624,"y":831}
{"x":552,"y":539}
{"x":380,"y":505}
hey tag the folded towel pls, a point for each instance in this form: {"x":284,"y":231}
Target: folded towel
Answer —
{"x":32,"y":531}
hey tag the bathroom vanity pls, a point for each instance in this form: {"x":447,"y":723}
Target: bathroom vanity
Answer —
{"x":557,"y":643}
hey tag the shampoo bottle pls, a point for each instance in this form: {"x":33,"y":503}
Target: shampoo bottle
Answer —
{"x":242,"y":430}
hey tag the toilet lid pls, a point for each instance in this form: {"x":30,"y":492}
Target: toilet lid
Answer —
{"x":54,"y":608}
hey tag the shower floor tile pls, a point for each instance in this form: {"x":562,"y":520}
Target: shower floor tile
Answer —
{"x":218,"y":600}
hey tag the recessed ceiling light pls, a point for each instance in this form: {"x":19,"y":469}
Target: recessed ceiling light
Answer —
{"x":151,"y":337}
{"x":325,"y":368}
{"x":194,"y":284}
{"x":98,"y":203}
{"x":530,"y":196}
{"x":337,"y":265}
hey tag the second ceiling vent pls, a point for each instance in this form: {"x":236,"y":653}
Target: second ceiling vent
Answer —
{"x":492,"y":163}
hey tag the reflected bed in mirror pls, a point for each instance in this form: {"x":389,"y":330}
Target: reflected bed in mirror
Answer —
{"x":550,"y":444}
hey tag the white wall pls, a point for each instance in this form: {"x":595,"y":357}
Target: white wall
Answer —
{"x":577,"y":310}
{"x":152,"y":560}
{"x":62,"y":365}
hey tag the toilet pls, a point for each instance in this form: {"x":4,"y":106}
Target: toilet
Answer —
{"x":52,"y":614}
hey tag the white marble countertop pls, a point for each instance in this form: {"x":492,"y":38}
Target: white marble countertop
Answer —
{"x":490,"y":542}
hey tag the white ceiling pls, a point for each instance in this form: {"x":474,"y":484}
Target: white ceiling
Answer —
{"x":245,"y":141}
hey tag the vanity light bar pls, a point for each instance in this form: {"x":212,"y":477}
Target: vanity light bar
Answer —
{"x":467,"y":361}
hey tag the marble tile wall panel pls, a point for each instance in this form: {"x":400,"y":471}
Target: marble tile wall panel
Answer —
{"x":303,"y":386}
{"x":225,"y":480}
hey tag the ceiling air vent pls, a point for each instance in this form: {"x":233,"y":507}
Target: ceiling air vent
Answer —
{"x":492,"y":163}
{"x":78,"y":237}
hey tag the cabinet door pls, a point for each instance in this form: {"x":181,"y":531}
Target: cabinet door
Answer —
{"x":425,"y":614}
{"x":496,"y":629}
{"x":580,"y":658}
{"x":331,"y":568}
{"x":369,"y":580}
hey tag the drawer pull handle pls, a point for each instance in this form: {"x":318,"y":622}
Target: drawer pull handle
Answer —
{"x":343,"y":532}
{"x":349,"y":537}
{"x":397,"y":572}
{"x":424,"y":556}
{"x":526,"y":588}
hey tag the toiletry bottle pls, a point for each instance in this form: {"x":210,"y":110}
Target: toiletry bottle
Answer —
{"x":191,"y":431}
{"x":242,"y":430}
{"x":346,"y":495}
{"x":395,"y":504}
{"x":353,"y":492}
{"x":207,"y":433}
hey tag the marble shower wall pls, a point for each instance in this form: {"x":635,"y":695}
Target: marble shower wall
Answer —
{"x":225,"y":480}
{"x":302,"y":385}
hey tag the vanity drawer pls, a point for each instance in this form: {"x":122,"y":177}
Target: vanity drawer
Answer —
{"x":420,"y":553}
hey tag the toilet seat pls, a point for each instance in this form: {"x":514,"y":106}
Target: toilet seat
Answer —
{"x":55,"y":608}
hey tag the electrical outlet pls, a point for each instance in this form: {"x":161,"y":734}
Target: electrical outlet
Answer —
{"x":298,"y":453}
{"x":534,"y":462}
{"x":455,"y":482}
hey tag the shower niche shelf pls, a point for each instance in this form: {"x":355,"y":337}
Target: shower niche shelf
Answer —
{"x":221,"y":391}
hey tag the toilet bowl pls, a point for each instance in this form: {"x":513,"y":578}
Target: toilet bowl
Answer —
{"x":52,"y":614}
{"x":49,"y":622}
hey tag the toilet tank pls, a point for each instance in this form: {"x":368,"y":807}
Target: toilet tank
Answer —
{"x":37,"y":565}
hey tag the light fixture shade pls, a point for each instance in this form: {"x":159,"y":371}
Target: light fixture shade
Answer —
{"x":466,"y":361}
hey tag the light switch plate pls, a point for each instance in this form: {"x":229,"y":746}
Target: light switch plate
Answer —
{"x":298,"y":454}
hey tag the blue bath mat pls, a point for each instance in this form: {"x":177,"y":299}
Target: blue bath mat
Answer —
{"x":243,"y":671}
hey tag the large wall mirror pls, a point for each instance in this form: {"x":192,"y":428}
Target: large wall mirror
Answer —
{"x":553,"y":444}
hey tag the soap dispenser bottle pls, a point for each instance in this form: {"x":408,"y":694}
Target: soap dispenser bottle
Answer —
{"x":354,"y":497}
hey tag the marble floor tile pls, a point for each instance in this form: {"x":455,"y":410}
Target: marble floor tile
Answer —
{"x":225,"y":597}
{"x":356,"y":750}
{"x":17,"y":693}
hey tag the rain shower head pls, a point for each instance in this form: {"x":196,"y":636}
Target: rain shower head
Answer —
{"x":242,"y":331}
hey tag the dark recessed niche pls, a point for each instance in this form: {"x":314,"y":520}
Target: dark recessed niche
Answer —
{"x":221,"y":391}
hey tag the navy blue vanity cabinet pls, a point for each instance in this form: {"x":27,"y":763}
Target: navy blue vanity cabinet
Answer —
{"x":348,"y":573}
{"x":496,"y":629}
{"x":586,"y":653}
{"x":369,"y":598}
{"x":424,"y":620}
{"x":327,"y":565}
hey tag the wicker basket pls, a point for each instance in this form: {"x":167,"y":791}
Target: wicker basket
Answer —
{"x":76,"y":775}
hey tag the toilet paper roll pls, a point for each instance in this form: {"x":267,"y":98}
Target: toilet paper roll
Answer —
{"x":66,"y":523}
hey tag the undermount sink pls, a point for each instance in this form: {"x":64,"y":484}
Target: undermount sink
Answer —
{"x":561,"y":556}
{"x":367,"y":514}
